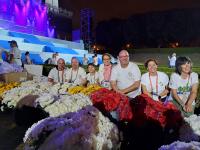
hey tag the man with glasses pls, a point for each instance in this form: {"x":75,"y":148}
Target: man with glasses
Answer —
{"x":125,"y":77}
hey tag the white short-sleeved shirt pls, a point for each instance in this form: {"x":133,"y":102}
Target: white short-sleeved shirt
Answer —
{"x":93,"y":79}
{"x":172,"y":61}
{"x":101,"y":70}
{"x":53,"y":61}
{"x":17,"y":55}
{"x":76,"y":77}
{"x":95,"y":60}
{"x":183,"y":86}
{"x":163,"y":81}
{"x":125,"y":77}
{"x":57,"y":75}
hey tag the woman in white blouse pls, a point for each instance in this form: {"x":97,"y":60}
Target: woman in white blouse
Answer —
{"x":154,"y":83}
{"x":105,"y":70}
{"x":184,"y":86}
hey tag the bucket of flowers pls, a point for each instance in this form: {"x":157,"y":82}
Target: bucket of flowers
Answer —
{"x":114,"y":105}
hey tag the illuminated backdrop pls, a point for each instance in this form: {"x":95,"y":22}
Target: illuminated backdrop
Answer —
{"x":28,"y":16}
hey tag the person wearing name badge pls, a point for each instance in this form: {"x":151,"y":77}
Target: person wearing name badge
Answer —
{"x":92,"y":76}
{"x":76,"y":74}
{"x":154,"y":83}
{"x":184,"y":86}
{"x":58,"y":74}
{"x":125,"y":76}
{"x":105,"y":70}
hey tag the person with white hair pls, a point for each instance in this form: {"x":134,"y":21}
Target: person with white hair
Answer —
{"x":172,"y":60}
{"x":126,"y":76}
{"x":76,"y":74}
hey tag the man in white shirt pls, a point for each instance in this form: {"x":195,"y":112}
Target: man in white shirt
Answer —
{"x":58,"y":74}
{"x":76,"y":74}
{"x":125,"y":77}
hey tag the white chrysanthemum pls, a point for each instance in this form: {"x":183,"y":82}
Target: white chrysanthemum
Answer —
{"x":68,"y":103}
{"x":13,"y":96}
{"x":45,"y":99}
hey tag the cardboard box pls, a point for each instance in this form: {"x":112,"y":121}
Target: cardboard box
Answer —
{"x":34,"y":69}
{"x":14,"y":77}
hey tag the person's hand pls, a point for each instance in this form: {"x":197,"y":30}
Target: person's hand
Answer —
{"x":188,"y":107}
{"x":120,"y":91}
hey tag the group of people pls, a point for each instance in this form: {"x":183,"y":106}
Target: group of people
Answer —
{"x":14,"y":56}
{"x":125,"y":78}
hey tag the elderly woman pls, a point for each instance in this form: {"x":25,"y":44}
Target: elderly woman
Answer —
{"x":105,"y":70}
{"x":184,"y":86}
{"x":154,"y":83}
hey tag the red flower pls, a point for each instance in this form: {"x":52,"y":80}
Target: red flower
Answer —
{"x":113,"y":101}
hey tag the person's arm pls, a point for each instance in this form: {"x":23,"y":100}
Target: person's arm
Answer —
{"x":176,"y":97}
{"x":131,"y":88}
{"x":165,"y":92}
{"x":113,"y":84}
{"x":51,"y":76}
{"x":83,"y":78}
{"x":191,"y":98}
{"x":144,"y":90}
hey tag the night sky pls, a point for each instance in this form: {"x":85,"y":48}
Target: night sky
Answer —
{"x":107,"y":9}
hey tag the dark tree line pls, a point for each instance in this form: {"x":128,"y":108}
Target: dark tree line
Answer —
{"x":156,"y":29}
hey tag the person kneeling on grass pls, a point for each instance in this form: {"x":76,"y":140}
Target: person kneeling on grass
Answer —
{"x":92,"y":76}
{"x":184,"y":86}
{"x":154,"y":83}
